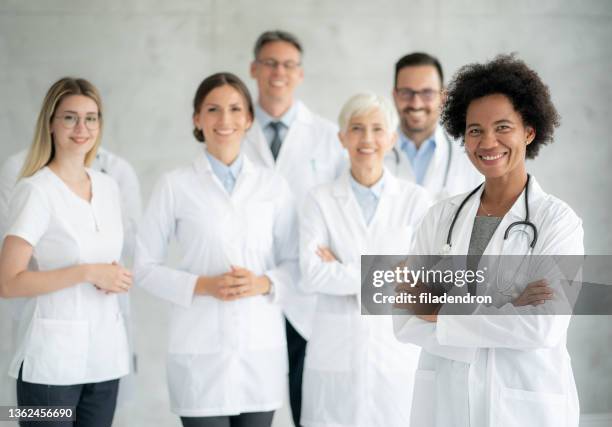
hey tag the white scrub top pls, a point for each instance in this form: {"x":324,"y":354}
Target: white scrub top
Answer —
{"x":131,"y":209}
{"x":224,"y":357}
{"x":75,"y":335}
{"x":356,"y":372}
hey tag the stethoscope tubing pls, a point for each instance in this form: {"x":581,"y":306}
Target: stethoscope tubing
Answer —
{"x":526,"y":221}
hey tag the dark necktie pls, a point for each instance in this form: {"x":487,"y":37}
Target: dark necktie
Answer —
{"x":276,"y":139}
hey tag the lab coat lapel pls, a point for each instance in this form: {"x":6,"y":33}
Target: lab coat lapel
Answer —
{"x":245,"y":181}
{"x":290,"y":146}
{"x":385,"y":203}
{"x":257,"y":145}
{"x":349,"y":208}
{"x":434,"y":177}
{"x":397,"y":160}
{"x":462,"y":232}
{"x":204,"y":171}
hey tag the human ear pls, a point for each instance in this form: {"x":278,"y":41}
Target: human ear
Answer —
{"x":530,"y":135}
{"x":342,"y":139}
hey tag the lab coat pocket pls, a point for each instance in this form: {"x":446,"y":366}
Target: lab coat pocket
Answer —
{"x":57,"y":352}
{"x":528,"y":408}
{"x":195,"y":330}
{"x":260,"y":225}
{"x":423,"y":398}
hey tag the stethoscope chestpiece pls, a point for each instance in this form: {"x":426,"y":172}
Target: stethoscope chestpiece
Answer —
{"x":445,"y":249}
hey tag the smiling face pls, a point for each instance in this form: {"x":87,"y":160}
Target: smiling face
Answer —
{"x":224,"y":118}
{"x":495,"y":137}
{"x":367,"y":139}
{"x":277,"y":71}
{"x":418,"y":113}
{"x":75,"y":126}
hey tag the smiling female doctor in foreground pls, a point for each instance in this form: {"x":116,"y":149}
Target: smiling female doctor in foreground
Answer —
{"x":235,"y":227}
{"x":497,"y":370}
{"x":356,"y":373}
{"x":65,"y":217}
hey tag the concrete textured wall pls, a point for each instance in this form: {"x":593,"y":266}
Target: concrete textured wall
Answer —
{"x":147,"y":58}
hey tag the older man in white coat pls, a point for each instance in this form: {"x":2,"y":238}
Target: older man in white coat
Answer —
{"x":424,"y":153}
{"x":302,"y":147}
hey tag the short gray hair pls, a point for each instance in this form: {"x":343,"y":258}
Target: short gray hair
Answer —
{"x":363,"y":103}
{"x":276,"y":36}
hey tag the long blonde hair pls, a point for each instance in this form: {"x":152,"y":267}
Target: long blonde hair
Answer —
{"x":41,"y":151}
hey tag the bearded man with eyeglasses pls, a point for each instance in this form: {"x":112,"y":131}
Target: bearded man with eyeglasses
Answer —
{"x":424,"y":153}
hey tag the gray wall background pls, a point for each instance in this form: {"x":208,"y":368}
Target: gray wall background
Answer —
{"x":147,"y":58}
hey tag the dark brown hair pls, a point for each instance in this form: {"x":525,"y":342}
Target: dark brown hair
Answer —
{"x":415,"y":59}
{"x":212,"y":82}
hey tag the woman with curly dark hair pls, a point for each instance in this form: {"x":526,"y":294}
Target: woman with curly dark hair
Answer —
{"x":486,"y":369}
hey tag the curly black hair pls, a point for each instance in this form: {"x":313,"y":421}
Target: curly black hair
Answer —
{"x":508,"y":76}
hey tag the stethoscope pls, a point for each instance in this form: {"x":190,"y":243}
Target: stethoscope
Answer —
{"x":447,"y":247}
{"x":448,"y":160}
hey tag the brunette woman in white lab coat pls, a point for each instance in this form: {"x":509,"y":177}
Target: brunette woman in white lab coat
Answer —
{"x":235,"y":228}
{"x":63,"y":240}
{"x":356,"y":373}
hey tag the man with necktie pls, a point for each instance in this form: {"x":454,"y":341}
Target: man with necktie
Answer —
{"x":304,"y":148}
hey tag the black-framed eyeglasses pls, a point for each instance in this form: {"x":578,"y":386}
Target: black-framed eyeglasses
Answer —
{"x":273,"y":63}
{"x":70,"y":120}
{"x":407,"y":94}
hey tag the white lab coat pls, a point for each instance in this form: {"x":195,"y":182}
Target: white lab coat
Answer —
{"x":356,"y":373}
{"x":311,"y":154}
{"x":462,"y":175}
{"x":224,"y":358}
{"x":496,"y":370}
{"x":75,"y":335}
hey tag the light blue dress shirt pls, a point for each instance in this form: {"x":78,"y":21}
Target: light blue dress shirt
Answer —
{"x":367,"y":197}
{"x":226,"y":174}
{"x":264,"y":120}
{"x":419,"y":157}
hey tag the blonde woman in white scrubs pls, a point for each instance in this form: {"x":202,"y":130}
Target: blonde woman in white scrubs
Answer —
{"x":235,"y":227}
{"x":356,"y":373}
{"x":66,"y":218}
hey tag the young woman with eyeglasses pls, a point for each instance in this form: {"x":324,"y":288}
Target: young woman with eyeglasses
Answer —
{"x":60,"y":254}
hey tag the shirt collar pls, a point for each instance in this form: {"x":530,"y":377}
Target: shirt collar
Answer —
{"x":407,"y":144}
{"x":286,"y":119}
{"x":220,"y":169}
{"x":375,"y":190}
